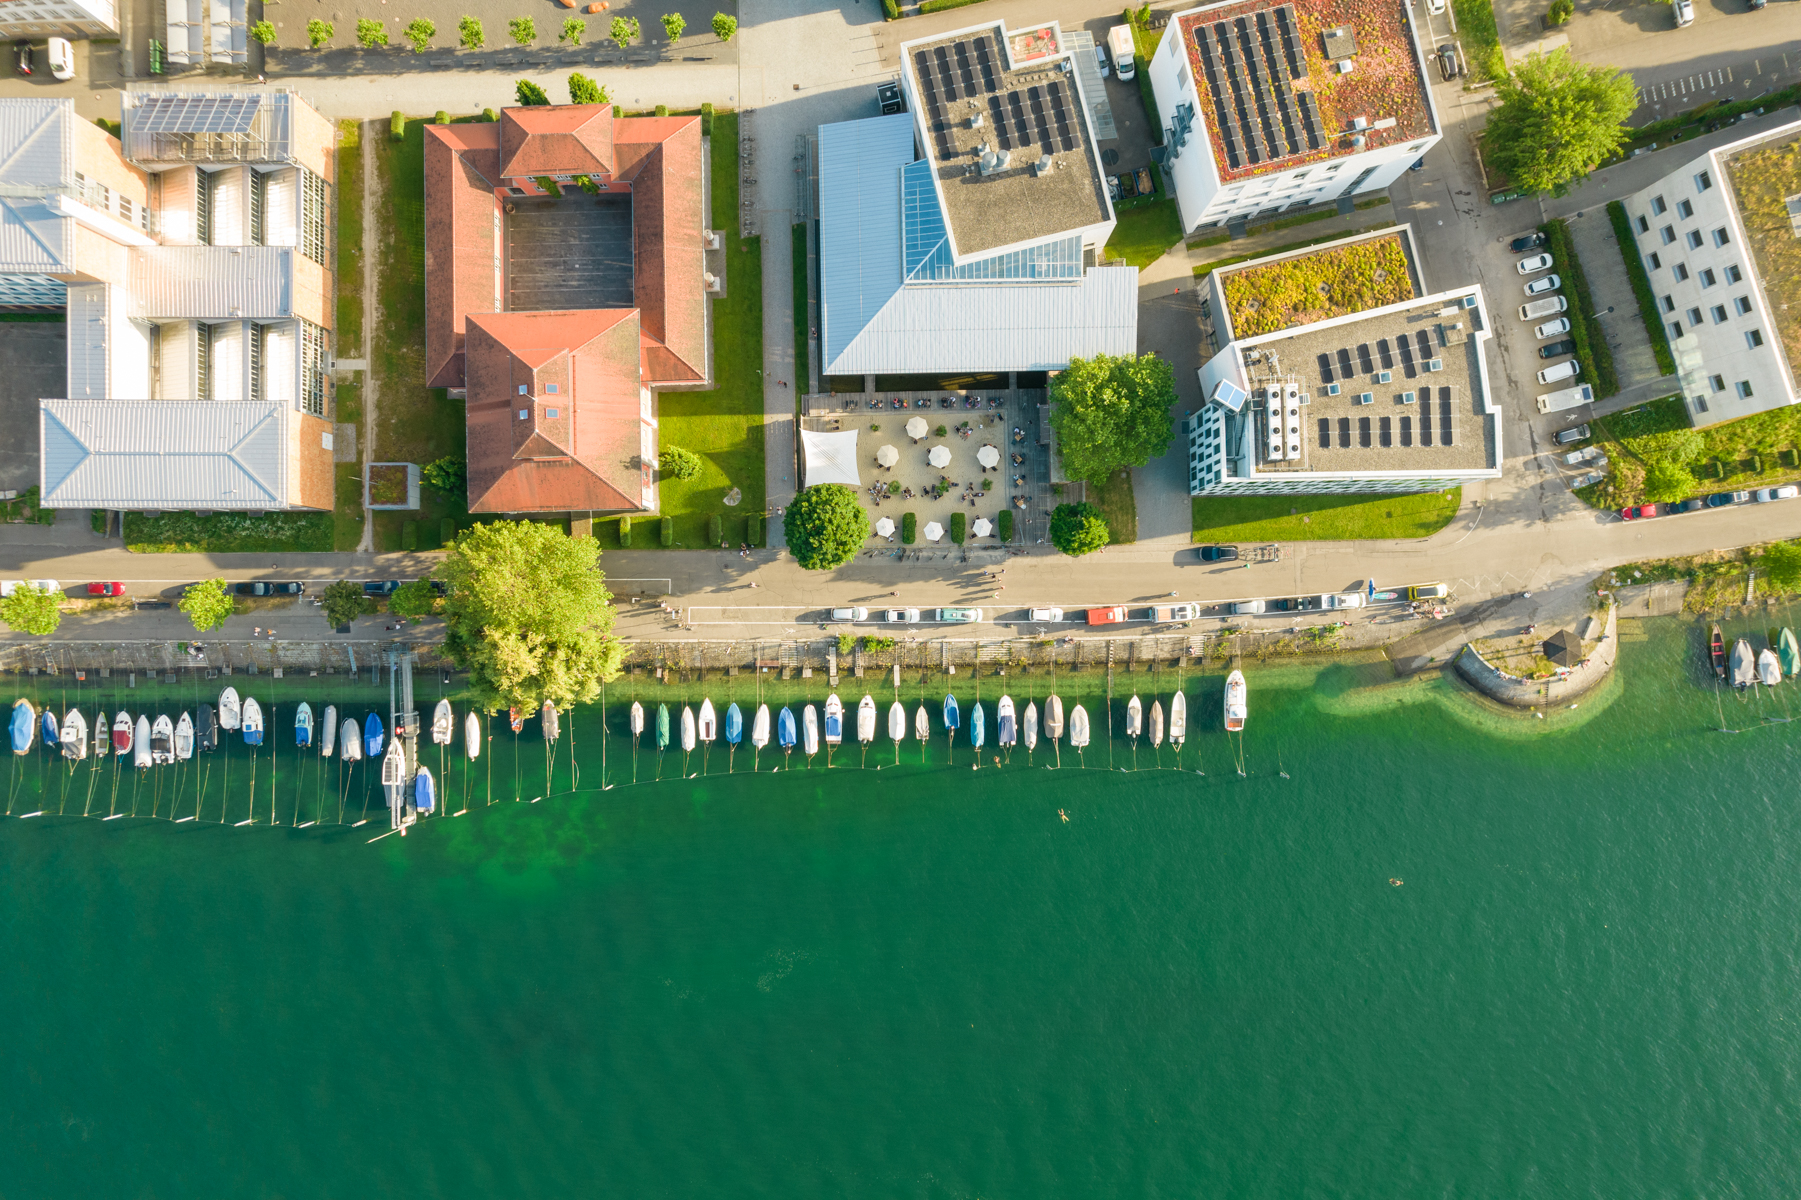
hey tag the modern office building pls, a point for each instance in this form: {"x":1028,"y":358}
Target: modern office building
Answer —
{"x":1272,"y":106}
{"x":1338,"y":374}
{"x":194,"y":262}
{"x":38,"y":19}
{"x":967,"y":235}
{"x":1720,"y":237}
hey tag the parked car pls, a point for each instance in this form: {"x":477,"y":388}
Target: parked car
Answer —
{"x":1419,"y":164}
{"x":1569,"y":368}
{"x":1448,"y":65}
{"x":1533,"y":264}
{"x":1756,"y":4}
{"x":1219,"y":553}
{"x":1539,"y":287}
{"x":274,"y":587}
{"x":1558,"y":349}
{"x":1100,"y":58}
{"x":1172,"y":612}
{"x":1534,"y":309}
{"x":1332,"y":600}
{"x":1574,"y":433}
{"x":9,"y":586}
{"x":1294,"y":604}
{"x":1428,"y":591}
{"x":960,"y":616}
{"x":1724,"y":499}
{"x":1695,"y":505}
{"x":901,"y":616}
{"x":1685,"y":13}
{"x":1045,"y":614}
{"x":1112,"y":614}
{"x":106,"y":589}
{"x":1641,"y":512}
{"x":1435,"y":7}
{"x":1552,"y":328}
{"x":22,"y":57}
{"x":1248,"y":608}
{"x":850,"y":614}
{"x":62,"y":58}
{"x":380,"y":587}
{"x":1530,"y":241}
{"x":1576,"y":458}
{"x":1779,"y":493}
{"x":1582,"y":481}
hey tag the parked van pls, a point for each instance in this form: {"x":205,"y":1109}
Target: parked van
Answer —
{"x":1572,"y":397}
{"x":1569,"y":368}
{"x":1125,"y":54}
{"x":1543,"y":308}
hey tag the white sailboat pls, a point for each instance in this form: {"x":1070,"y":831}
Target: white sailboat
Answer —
{"x":472,"y":735}
{"x":1078,"y":726}
{"x":1031,"y":724}
{"x":687,"y":728}
{"x":637,"y":720}
{"x":1006,"y":729}
{"x":1235,"y":702}
{"x":75,"y":735}
{"x":140,"y":743}
{"x":922,"y":724}
{"x":897,"y":722}
{"x":759,"y":728}
{"x":866,"y":719}
{"x":1053,"y":718}
{"x":328,"y":731}
{"x":1156,"y":723}
{"x":350,"y":745}
{"x":1178,"y":719}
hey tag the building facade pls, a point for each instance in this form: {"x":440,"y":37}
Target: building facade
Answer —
{"x":32,"y":19}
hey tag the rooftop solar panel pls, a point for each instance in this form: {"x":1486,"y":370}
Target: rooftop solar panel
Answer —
{"x":1344,"y":362}
{"x":196,"y":114}
{"x":1447,"y":423}
{"x":1406,"y":431}
{"x":985,"y":59}
{"x":1363,"y":358}
{"x":997,"y":117}
{"x":1382,"y":353}
{"x":1325,"y":368}
{"x":1425,"y":424}
{"x":1425,"y":344}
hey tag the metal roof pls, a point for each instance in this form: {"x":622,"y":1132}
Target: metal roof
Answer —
{"x":159,"y":454}
{"x":213,"y":283}
{"x":930,"y":258}
{"x":860,"y":221}
{"x":37,"y":142}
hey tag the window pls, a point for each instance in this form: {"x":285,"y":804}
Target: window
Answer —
{"x":1644,"y":226}
{"x":1656,"y":262}
{"x":522,"y":389}
{"x":1680,"y":271}
{"x":1720,"y":237}
{"x":551,"y":388}
{"x":1667,"y":234}
{"x":1684,"y":209}
{"x":1658,"y":207}
{"x":551,"y":414}
{"x":1694,"y":317}
{"x":1703,"y":181}
{"x":525,"y":414}
{"x":1416,"y":147}
{"x":1669,"y":304}
{"x":1733,"y":275}
{"x":1743,"y":305}
{"x":1700,"y":404}
{"x":1675,"y":331}
{"x":1743,"y":388}
{"x":1717,"y":382}
{"x":1718,"y":313}
{"x":1753,"y":339}
{"x":1694,"y":239}
{"x":1707,"y":278}
{"x":1182,"y":78}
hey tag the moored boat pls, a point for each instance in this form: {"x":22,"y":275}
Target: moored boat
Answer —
{"x":1716,"y":651}
{"x":303,"y":725}
{"x":162,"y":740}
{"x":1789,"y":652}
{"x":328,"y":731}
{"x":1078,"y":726}
{"x":393,"y":783}
{"x":866,"y":719}
{"x":393,"y":764}
{"x":1031,"y":723}
{"x":124,"y":733}
{"x":687,"y":728}
{"x":516,"y":719}
{"x":759,"y":728}
{"x":1178,"y":719}
{"x":809,"y":726}
{"x":373,"y":736}
{"x":140,"y":743}
{"x":184,"y":737}
{"x":637,"y":719}
{"x":662,"y":727}
{"x":1134,"y":717}
{"x":1744,"y":664}
{"x":1235,"y":705}
{"x":425,"y":797}
{"x":1769,"y":667}
{"x":897,"y":722}
{"x":443,"y":724}
{"x":784,"y":730}
{"x":252,"y":721}
{"x":472,"y":735}
{"x":548,"y":720}
{"x":950,"y":714}
{"x":350,"y":742}
{"x":707,"y":723}
{"x":734,"y":725}
{"x":75,"y":735}
{"x":102,"y":735}
{"x":53,"y":730}
{"x":978,"y":725}
{"x":24,"y":725}
{"x":922,"y":723}
{"x":1053,"y":718}
{"x":1156,"y":723}
{"x":206,"y":733}
{"x":1006,"y":728}
{"x":230,"y":711}
{"x":834,"y":720}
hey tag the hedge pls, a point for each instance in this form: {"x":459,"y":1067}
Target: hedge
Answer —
{"x":1005,"y":524}
{"x":909,"y":528}
{"x":891,"y":10}
{"x":715,"y":530}
{"x":706,"y":119}
{"x":409,"y":535}
{"x":443,"y":118}
{"x":932,"y":6}
{"x":753,"y":529}
{"x":666,"y":531}
{"x":625,"y":531}
{"x":958,"y":524}
{"x":1641,"y":287}
{"x":397,"y":126}
{"x":1592,"y":350}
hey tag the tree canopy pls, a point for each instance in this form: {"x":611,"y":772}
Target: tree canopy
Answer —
{"x":528,"y":615}
{"x":449,"y":476}
{"x":342,"y":601}
{"x":583,"y":90}
{"x":1111,"y":412}
{"x":1557,"y":120}
{"x":30,"y":610}
{"x":1078,"y":529}
{"x":414,"y":601}
{"x":825,"y":526}
{"x":529,"y":93}
{"x":1667,"y":482}
{"x":725,"y":26}
{"x":207,"y":604}
{"x":677,"y":463}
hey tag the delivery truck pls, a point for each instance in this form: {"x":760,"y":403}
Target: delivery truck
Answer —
{"x":1125,"y":54}
{"x":1570,"y":397}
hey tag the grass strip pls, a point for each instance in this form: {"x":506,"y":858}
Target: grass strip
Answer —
{"x":348,"y":340}
{"x":1641,"y":288}
{"x":1592,"y":350}
{"x":932,"y":6}
{"x":1119,"y":505}
{"x":1481,"y":39}
{"x":801,"y":324}
{"x":1322,"y":518}
{"x":1145,"y":234}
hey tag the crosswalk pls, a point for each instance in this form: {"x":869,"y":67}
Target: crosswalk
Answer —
{"x":1677,"y":89}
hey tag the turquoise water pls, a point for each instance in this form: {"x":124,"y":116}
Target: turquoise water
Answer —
{"x":923,"y":982}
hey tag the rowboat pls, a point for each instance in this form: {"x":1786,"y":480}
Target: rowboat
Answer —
{"x":1134,"y":717}
{"x":950,"y":713}
{"x":184,"y":738}
{"x":809,"y":726}
{"x":978,"y":725}
{"x":1716,"y":652}
{"x":866,"y":719}
{"x":1031,"y":724}
{"x":1178,"y":719}
{"x":897,"y":722}
{"x":1078,"y":726}
{"x":75,"y":735}
{"x":1156,"y":723}
{"x":24,"y":725}
{"x":472,"y":735}
{"x":140,"y":743}
{"x":124,"y":733}
{"x":1006,"y":730}
{"x":350,"y":745}
{"x":548,"y":722}
{"x":303,"y":725}
{"x":834,"y":720}
{"x":922,"y":724}
{"x":162,"y":740}
{"x":229,"y":710}
{"x":662,"y":727}
{"x":443,"y":724}
{"x":687,"y":728}
{"x":328,"y":731}
{"x":759,"y":728}
{"x":734,"y":725}
{"x":206,"y":733}
{"x":424,"y":795}
{"x":784,"y":730}
{"x":708,"y":728}
{"x":1053,"y":718}
{"x":252,"y":722}
{"x":1235,"y":702}
{"x":372,"y":736}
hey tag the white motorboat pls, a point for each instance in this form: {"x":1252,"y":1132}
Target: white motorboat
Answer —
{"x":809,"y":730}
{"x":1156,"y":723}
{"x":708,"y":728}
{"x":328,"y":732}
{"x":759,"y":728}
{"x":102,"y":732}
{"x":549,"y":722}
{"x":1078,"y":726}
{"x":140,"y":743}
{"x":637,"y":719}
{"x":125,"y":733}
{"x":866,"y":719}
{"x":1006,"y":728}
{"x":75,"y":735}
{"x":252,"y":722}
{"x":834,"y":720}
{"x":184,"y":738}
{"x":472,"y":735}
{"x":687,"y":728}
{"x":1053,"y":718}
{"x":303,"y":725}
{"x":1134,"y":718}
{"x":1031,"y":724}
{"x":1235,"y":702}
{"x":162,"y":741}
{"x":1178,"y":719}
{"x":897,"y":722}
{"x":230,"y":711}
{"x":443,"y":724}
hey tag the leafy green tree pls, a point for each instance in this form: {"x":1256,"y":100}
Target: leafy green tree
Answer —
{"x":523,"y":29}
{"x":1112,"y":412}
{"x":263,"y":31}
{"x":448,"y":476}
{"x":471,"y":33}
{"x":1557,"y":120}
{"x":673,"y":24}
{"x":370,"y":34}
{"x":30,"y":610}
{"x":625,"y":29}
{"x":527,"y":92}
{"x":725,"y":26}
{"x":1781,"y":565}
{"x":415,"y":600}
{"x":207,"y":603}
{"x":573,"y":28}
{"x":1666,"y":482}
{"x":677,"y":463}
{"x":583,"y":90}
{"x":825,"y":526}
{"x":1078,"y":529}
{"x":342,"y":601}
{"x":319,"y":32}
{"x":420,"y":32}
{"x":528,"y":615}
{"x":1680,"y":445}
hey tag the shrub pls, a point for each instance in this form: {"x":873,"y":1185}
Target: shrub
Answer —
{"x":677,"y":463}
{"x":909,"y":529}
{"x":1641,"y":288}
{"x":263,"y":31}
{"x":449,"y":476}
{"x":420,"y":32}
{"x":583,"y":90}
{"x":470,"y":32}
{"x":447,"y":531}
{"x":30,"y":611}
{"x":207,"y":603}
{"x":753,"y":529}
{"x":625,"y":532}
{"x":1004,"y":525}
{"x":397,"y":126}
{"x":725,"y":26}
{"x":959,"y":525}
{"x":715,"y":530}
{"x":342,"y":601}
{"x":987,"y":484}
{"x":877,"y":645}
{"x":1078,"y":529}
{"x":706,"y":119}
{"x":490,"y":116}
{"x":846,"y":643}
{"x":941,"y":431}
{"x":573,"y":28}
{"x":662,"y":110}
{"x":673,"y":24}
{"x":409,"y":535}
{"x":319,"y":32}
{"x":443,"y":118}
{"x":370,"y":34}
{"x":1592,"y":350}
{"x":524,"y":30}
{"x":825,"y":526}
{"x":891,"y":10}
{"x":623,"y":30}
{"x":1667,"y":482}
{"x":1560,"y":11}
{"x":528,"y":93}
{"x":666,"y":531}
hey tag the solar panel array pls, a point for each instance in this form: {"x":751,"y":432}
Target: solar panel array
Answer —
{"x":1250,"y":62}
{"x":1040,"y":116}
{"x":196,"y":114}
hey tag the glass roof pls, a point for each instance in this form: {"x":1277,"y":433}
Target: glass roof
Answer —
{"x":926,"y":247}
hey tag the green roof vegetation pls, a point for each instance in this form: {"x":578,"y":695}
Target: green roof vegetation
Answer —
{"x":1762,"y":181}
{"x":1318,"y":286}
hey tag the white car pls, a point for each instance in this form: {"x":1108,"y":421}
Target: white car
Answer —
{"x":901,"y":616}
{"x":1247,"y":608}
{"x":1435,"y":7}
{"x":1341,"y":600}
{"x":1685,"y":13}
{"x":1782,"y":493}
{"x":1539,"y":287}
{"x":1582,"y":481}
{"x":850,"y":614}
{"x":1551,"y":329}
{"x":9,"y":586}
{"x":1532,"y":264}
{"x":1569,"y":368}
{"x":62,"y":58}
{"x":1045,"y":614}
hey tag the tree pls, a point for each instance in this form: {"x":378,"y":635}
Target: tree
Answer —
{"x":207,"y":604}
{"x":1781,"y":565}
{"x":470,"y":31}
{"x":583,"y":90}
{"x":528,"y":615}
{"x":319,"y":32}
{"x":415,"y":600}
{"x":1680,"y":445}
{"x":573,"y":28}
{"x":527,"y":92}
{"x":1557,"y":120}
{"x":523,"y":29}
{"x":263,"y":31}
{"x":1111,"y":412}
{"x":825,"y":526}
{"x":1078,"y":529}
{"x":624,"y":29}
{"x":342,"y":601}
{"x":449,"y":476}
{"x":1666,"y":481}
{"x":1560,"y":12}
{"x":673,"y":24}
{"x":370,"y":34}
{"x":30,"y":610}
{"x":420,"y":32}
{"x":725,"y":26}
{"x":677,"y":463}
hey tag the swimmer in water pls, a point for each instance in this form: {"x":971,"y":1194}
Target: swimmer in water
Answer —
{"x":1394,"y":883}
{"x":1064,"y":815}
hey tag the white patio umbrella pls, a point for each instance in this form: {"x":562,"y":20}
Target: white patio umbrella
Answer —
{"x":988,"y":456}
{"x":940,"y":456}
{"x":933,"y":531}
{"x":916,"y":428}
{"x":887,"y":456}
{"x":981,"y":527}
{"x":884,"y":527}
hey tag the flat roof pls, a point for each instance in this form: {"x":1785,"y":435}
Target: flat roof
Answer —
{"x":1354,"y":274}
{"x":1273,"y":96}
{"x":1766,"y":187}
{"x":1445,"y":426}
{"x":991,"y":105}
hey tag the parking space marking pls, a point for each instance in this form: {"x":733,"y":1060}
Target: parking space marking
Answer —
{"x":1676,"y":89}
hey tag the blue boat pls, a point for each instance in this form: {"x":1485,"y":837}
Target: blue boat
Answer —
{"x":784,"y":729}
{"x":423,"y":796}
{"x":834,"y":722}
{"x":372,"y":736}
{"x":52,"y":731}
{"x":734,"y":724}
{"x":24,"y":725}
{"x":978,"y":730}
{"x":950,"y":712}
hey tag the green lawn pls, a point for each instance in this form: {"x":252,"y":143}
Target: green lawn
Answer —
{"x":1145,"y":233}
{"x":347,"y":517}
{"x":349,"y":333}
{"x":1321,"y":518}
{"x":1119,"y":506}
{"x":1752,"y":452}
{"x":227,"y":533}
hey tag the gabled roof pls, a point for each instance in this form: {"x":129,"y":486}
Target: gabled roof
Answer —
{"x":164,"y":454}
{"x":564,"y":139}
{"x":584,"y":458}
{"x":660,"y":158}
{"x":36,"y":152}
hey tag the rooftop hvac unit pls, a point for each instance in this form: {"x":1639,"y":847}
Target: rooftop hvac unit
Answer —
{"x":1435,"y":364}
{"x":1042,"y":166}
{"x":975,"y":120}
{"x":1345,"y":66}
{"x":1360,"y":123}
{"x":1358,"y":141}
{"x":990,"y":162}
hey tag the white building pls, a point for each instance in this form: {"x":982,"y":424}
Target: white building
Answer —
{"x":965,"y":234}
{"x":1721,"y":242}
{"x":1265,"y":107}
{"x":38,"y":19}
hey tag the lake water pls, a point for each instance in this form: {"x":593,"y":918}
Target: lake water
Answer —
{"x":922,"y":981}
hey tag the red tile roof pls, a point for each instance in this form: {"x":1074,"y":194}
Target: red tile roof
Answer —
{"x":660,"y":156}
{"x":585,"y":458}
{"x":564,"y":139}
{"x":461,"y":251}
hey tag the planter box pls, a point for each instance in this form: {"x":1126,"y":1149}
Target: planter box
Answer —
{"x":387,"y":470}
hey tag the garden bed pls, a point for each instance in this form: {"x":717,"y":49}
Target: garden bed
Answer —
{"x":388,"y":485}
{"x":1314,"y":287}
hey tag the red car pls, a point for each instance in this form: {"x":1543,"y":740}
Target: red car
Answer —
{"x":1645,"y":511}
{"x":106,"y":589}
